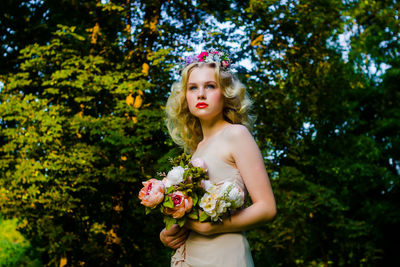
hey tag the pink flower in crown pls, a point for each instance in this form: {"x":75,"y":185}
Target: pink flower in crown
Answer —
{"x":182,"y":204}
{"x":198,"y":162}
{"x":202,"y":56}
{"x":152,"y":193}
{"x":215,"y":52}
{"x":225,"y":63}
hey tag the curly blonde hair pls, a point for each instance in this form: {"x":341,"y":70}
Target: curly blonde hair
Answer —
{"x":184,"y":128}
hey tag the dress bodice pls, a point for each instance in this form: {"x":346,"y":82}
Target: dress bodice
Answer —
{"x":213,"y":153}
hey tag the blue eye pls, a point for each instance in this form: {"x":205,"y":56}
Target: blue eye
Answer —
{"x":192,"y":88}
{"x":210,"y":86}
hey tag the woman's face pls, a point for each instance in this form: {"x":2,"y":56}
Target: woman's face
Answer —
{"x":204,"y":97}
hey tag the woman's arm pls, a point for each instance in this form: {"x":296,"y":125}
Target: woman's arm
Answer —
{"x":250,"y":163}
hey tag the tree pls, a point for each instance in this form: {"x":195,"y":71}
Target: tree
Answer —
{"x":78,"y":133}
{"x":75,"y":145}
{"x":334,"y":175}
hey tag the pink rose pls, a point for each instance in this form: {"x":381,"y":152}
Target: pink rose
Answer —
{"x":182,"y":204}
{"x":198,"y":162}
{"x":152,"y":193}
{"x":225,"y":63}
{"x":202,"y":56}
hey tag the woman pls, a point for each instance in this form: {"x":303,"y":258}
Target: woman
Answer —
{"x":207,"y":114}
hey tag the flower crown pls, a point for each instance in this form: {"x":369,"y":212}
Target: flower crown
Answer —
{"x":210,"y":56}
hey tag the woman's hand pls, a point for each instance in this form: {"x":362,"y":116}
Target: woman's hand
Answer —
{"x":203,"y":228}
{"x":174,"y":237}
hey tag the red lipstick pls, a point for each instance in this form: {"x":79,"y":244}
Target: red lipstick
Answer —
{"x":201,"y":105}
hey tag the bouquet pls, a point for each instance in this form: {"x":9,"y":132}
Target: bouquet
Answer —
{"x":186,"y":192}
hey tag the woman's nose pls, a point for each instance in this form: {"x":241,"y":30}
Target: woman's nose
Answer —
{"x":201,"y":93}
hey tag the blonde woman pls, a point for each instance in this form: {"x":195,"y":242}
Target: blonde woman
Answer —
{"x":208,"y":115}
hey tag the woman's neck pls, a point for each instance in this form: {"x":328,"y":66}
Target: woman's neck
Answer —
{"x":210,"y":128}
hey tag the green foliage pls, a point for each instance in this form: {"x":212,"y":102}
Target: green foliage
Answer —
{"x":332,"y":167}
{"x":15,"y":250}
{"x":77,"y":135}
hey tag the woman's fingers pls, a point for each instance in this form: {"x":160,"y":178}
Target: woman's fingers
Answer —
{"x":178,"y":245}
{"x":173,"y":230}
{"x":174,"y":237}
{"x":173,"y":241}
{"x":182,"y":231}
{"x":179,"y":241}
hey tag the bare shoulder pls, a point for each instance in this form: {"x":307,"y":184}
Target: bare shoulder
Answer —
{"x":238,"y":133}
{"x":242,"y":146}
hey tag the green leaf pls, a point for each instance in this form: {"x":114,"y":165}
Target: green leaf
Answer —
{"x":181,"y":222}
{"x":203,"y":216}
{"x":148,"y":210}
{"x":193,"y":215}
{"x":169,"y":221}
{"x":169,"y":190}
{"x":195,"y":199}
{"x":168,"y":202}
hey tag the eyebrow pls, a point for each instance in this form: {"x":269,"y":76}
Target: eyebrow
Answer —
{"x":204,"y":82}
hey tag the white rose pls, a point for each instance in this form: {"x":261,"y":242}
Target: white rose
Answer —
{"x":225,"y":188}
{"x":206,"y":184}
{"x":174,"y":176}
{"x":222,"y":207}
{"x":207,"y":203}
{"x":236,"y":196}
